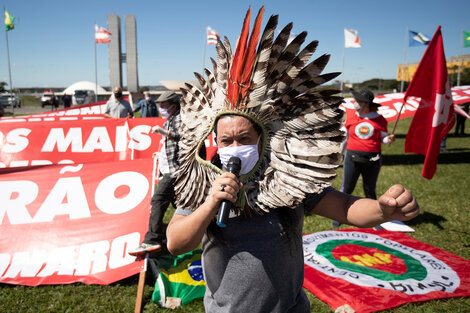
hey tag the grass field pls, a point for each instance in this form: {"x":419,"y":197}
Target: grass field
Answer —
{"x":445,"y":213}
{"x":30,"y":101}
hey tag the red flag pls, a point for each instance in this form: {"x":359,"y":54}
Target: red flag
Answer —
{"x":435,"y":115}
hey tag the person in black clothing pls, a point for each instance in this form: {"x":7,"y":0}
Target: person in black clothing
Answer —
{"x":67,"y":100}
{"x":54,"y":103}
{"x":460,"y":123}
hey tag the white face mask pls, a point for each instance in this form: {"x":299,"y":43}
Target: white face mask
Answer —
{"x":147,"y":98}
{"x":164,"y":113}
{"x":248,"y":154}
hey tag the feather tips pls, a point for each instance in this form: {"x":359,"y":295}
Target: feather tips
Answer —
{"x":275,"y":84}
{"x":237,"y":62}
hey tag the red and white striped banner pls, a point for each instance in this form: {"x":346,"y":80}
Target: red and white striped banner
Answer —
{"x":392,"y":102}
{"x":77,"y":141}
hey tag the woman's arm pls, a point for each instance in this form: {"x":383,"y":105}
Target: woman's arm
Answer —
{"x":386,"y":138}
{"x":397,"y":203}
{"x":184,"y":233}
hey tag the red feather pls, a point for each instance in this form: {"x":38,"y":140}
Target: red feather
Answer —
{"x":250,"y":54}
{"x":243,"y":59}
{"x":235,"y":70}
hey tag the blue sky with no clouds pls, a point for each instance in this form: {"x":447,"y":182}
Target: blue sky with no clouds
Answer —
{"x":52,"y":44}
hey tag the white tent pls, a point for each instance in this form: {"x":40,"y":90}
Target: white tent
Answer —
{"x":84,"y":92}
{"x":84,"y":85}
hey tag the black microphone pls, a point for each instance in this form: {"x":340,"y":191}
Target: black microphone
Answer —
{"x":234,"y":165}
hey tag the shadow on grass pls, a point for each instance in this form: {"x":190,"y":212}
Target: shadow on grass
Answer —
{"x":444,"y":158}
{"x":403,"y":136}
{"x":427,"y":218}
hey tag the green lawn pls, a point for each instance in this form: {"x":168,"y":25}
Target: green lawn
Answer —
{"x":445,"y":212}
{"x":30,"y":101}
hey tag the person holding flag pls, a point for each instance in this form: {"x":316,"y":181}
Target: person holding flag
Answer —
{"x":365,"y":130}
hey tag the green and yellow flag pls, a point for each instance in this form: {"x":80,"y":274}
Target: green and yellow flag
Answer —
{"x":466,"y":39}
{"x":180,"y":279}
{"x":9,"y":19}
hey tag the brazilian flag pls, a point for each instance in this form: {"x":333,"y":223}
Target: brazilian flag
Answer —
{"x":466,"y":39}
{"x":180,"y":278}
{"x":9,"y":19}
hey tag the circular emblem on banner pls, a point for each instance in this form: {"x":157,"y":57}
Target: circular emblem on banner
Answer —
{"x":369,"y":260}
{"x":364,"y":130}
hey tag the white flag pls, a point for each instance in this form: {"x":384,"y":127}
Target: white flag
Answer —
{"x":351,"y":39}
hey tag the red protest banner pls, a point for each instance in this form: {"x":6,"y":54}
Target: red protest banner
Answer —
{"x":73,"y":223}
{"x":77,"y":141}
{"x":375,"y":270}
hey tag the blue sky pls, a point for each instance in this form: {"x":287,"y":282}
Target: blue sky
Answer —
{"x":52,"y":44}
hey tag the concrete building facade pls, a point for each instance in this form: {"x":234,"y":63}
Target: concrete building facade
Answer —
{"x":114,"y":51}
{"x":131,"y":53}
{"x":115,"y":55}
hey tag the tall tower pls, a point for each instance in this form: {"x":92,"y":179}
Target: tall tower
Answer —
{"x":131,"y":53}
{"x":114,"y":51}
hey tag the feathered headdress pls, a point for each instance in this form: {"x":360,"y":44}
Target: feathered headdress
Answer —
{"x":273,"y":85}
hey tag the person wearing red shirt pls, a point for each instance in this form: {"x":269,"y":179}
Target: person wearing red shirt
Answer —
{"x":366,"y":130}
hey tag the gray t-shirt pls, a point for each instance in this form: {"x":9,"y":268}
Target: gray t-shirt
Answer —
{"x":256,"y":264}
{"x":118,"y":109}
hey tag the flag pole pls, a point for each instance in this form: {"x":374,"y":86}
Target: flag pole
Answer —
{"x":96,"y":67}
{"x":460,"y":61}
{"x":204,"y":52}
{"x":404,"y":61}
{"x":9,"y":67}
{"x":398,"y":117}
{"x":342,"y":71}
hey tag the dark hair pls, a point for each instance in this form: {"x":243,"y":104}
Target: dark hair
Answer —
{"x":258,"y":128}
{"x":176,"y":102}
